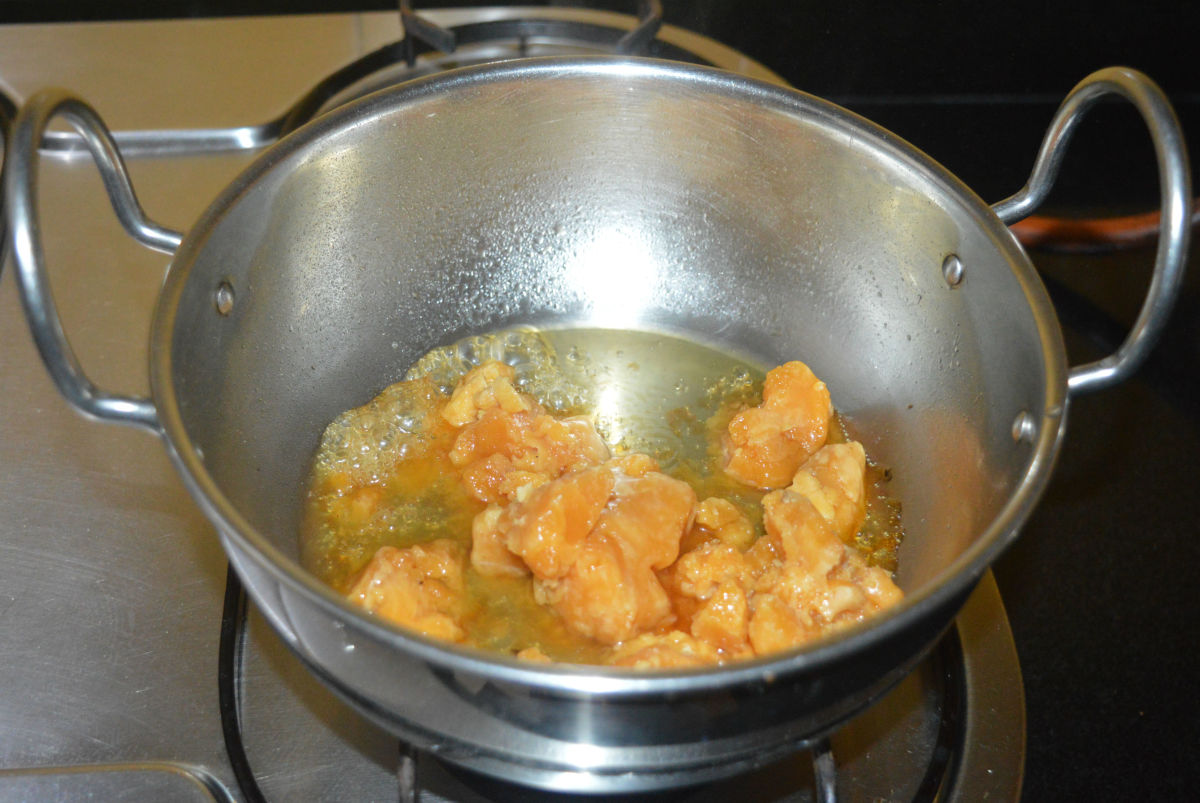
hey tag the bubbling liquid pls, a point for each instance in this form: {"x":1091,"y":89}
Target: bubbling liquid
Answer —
{"x":382,"y":477}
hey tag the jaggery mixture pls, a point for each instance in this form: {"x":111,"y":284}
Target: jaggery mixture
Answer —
{"x":475,"y":504}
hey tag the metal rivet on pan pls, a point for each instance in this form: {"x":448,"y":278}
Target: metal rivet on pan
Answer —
{"x":224,"y":298}
{"x":1024,"y":428}
{"x":952,"y":269}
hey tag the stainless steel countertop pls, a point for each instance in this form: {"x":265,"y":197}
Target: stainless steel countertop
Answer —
{"x":106,"y":566}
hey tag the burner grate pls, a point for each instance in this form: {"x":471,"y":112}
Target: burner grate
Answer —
{"x":428,"y":48}
{"x":417,"y":28}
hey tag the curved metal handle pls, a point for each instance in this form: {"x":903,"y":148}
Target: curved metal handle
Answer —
{"x":1175,"y":192}
{"x":20,"y":192}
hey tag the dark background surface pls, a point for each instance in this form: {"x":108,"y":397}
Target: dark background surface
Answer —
{"x":974,"y":84}
{"x":1101,"y":587}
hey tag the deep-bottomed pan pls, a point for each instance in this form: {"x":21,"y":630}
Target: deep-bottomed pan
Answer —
{"x":613,"y":193}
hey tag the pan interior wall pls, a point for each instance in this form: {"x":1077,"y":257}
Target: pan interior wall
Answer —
{"x":756,"y":221}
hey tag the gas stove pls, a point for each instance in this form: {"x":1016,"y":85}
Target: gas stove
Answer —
{"x":132,"y":665}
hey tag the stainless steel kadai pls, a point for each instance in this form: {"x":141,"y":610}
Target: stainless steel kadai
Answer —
{"x":614,"y":193}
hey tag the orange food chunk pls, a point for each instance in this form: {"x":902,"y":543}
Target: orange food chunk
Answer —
{"x":820,"y":584}
{"x":833,"y":479}
{"x":724,"y":620}
{"x":486,"y":387}
{"x":698,"y":573}
{"x":765,"y":445}
{"x":723,"y":520}
{"x":674,"y":650}
{"x":548,"y":528}
{"x":775,"y":627}
{"x":507,"y":442}
{"x":490,"y":554}
{"x":611,"y":592}
{"x":534,"y":655}
{"x":420,"y":587}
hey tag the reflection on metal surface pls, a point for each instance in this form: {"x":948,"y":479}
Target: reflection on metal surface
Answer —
{"x":620,"y":274}
{"x":991,"y":762}
{"x":824,"y":772}
{"x":7,"y":113}
{"x":147,"y":780}
{"x":1093,"y":236}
